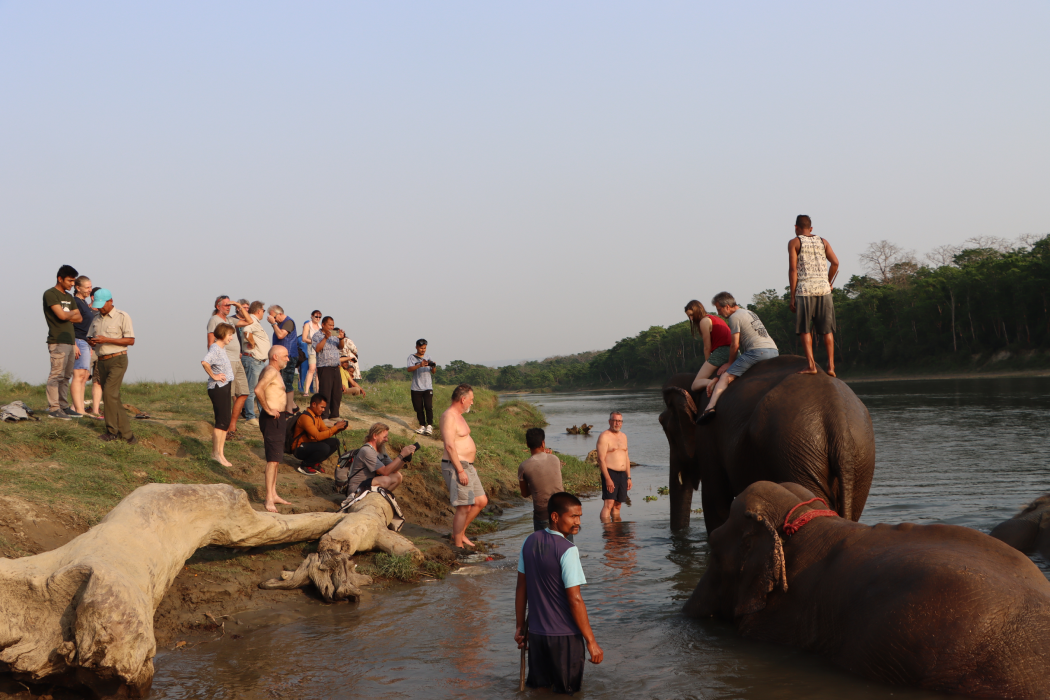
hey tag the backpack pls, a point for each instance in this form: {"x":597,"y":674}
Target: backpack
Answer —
{"x":342,"y":470}
{"x":289,"y":432}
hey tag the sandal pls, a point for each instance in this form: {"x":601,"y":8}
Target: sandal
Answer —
{"x":706,"y":417}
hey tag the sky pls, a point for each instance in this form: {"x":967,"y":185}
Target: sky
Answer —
{"x":508,"y":180}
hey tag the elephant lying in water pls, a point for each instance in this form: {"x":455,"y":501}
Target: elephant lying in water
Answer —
{"x":940,"y":607}
{"x":1029,"y":530}
{"x":773,"y":425}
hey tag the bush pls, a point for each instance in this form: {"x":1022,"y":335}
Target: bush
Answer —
{"x":395,"y":566}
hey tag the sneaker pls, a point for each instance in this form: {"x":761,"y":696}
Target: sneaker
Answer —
{"x":319,"y":469}
{"x":309,"y":471}
{"x":59,"y":414}
{"x":254,"y":422}
{"x":71,"y":413}
{"x":107,"y":437}
{"x":430,"y":430}
{"x":132,"y":440}
{"x":422,"y":430}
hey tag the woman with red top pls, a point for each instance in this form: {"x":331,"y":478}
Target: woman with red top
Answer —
{"x":716,"y":337}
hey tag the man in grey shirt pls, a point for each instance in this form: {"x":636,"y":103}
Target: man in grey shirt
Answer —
{"x":371,"y":465}
{"x":750,"y":345}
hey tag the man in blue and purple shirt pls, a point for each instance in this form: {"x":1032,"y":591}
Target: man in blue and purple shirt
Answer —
{"x":549,"y":580}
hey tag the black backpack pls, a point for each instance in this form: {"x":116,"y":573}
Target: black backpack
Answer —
{"x":289,"y":432}
{"x":342,"y":470}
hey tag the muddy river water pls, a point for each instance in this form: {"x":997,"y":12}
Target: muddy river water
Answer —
{"x":966,"y":452}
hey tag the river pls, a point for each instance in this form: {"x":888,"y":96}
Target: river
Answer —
{"x":965,"y":452}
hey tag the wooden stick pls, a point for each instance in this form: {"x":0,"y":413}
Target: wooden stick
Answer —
{"x":521,"y":681}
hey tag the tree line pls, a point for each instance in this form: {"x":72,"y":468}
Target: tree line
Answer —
{"x":954,"y":309}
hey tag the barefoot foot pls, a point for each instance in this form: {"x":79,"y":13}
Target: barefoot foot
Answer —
{"x":831,"y":372}
{"x":811,"y":370}
{"x":280,"y":501}
{"x":270,"y":507}
{"x":221,"y":460}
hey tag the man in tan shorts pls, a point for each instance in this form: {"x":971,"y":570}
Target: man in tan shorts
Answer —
{"x":273,"y":421}
{"x":615,"y":465}
{"x":457,"y":465}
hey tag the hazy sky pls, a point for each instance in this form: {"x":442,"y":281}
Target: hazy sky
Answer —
{"x":508,"y":180}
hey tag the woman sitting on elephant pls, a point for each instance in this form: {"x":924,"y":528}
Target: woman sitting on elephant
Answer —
{"x":716,"y":337}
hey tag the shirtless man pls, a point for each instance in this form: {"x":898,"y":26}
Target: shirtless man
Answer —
{"x":615,"y":465}
{"x":273,"y":422}
{"x":457,"y":465}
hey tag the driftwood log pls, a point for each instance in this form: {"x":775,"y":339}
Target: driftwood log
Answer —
{"x":82,"y":614}
{"x":331,"y":569}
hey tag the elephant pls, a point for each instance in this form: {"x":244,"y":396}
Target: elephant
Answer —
{"x":1029,"y":530}
{"x":773,"y":424}
{"x":939,"y":607}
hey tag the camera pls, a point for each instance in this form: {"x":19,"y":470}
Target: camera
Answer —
{"x":409,"y":458}
{"x":432,"y":363}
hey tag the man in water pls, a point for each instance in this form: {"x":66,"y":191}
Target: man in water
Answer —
{"x":457,"y":465}
{"x":615,"y":466}
{"x":750,"y":345}
{"x":539,"y":476}
{"x":549,"y":580}
{"x":273,"y":420}
{"x":811,"y":281}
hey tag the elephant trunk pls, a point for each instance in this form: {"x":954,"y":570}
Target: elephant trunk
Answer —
{"x":681,"y":492}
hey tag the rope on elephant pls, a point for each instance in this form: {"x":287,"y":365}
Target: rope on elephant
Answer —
{"x":790,"y":528}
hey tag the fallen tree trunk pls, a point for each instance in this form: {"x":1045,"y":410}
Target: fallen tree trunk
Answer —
{"x":82,"y":614}
{"x":331,"y":569}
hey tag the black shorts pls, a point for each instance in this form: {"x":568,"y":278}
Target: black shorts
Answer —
{"x":619,"y":492}
{"x":556,"y":662}
{"x":814,"y":314}
{"x":222,"y":405}
{"x":273,"y":431}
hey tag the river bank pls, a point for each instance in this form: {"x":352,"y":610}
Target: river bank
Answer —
{"x":60,"y":480}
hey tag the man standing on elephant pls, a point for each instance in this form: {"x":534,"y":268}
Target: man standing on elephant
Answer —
{"x":811,"y":281}
{"x":615,"y":465}
{"x":749,"y":344}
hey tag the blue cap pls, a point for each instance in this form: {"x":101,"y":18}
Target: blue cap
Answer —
{"x":100,"y":298}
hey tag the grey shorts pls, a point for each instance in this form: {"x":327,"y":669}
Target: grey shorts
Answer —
{"x":240,"y":380}
{"x":719,"y":356}
{"x":814,"y":314}
{"x":460,"y":495}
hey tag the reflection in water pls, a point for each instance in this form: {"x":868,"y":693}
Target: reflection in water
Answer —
{"x":621,"y":555}
{"x":968,"y":453}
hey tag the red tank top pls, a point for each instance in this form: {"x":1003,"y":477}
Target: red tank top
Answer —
{"x":720,"y":334}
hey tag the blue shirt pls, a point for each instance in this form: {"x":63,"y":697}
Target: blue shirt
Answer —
{"x":290,"y":341}
{"x":219,"y":362}
{"x":328,"y":356}
{"x":551,"y":564}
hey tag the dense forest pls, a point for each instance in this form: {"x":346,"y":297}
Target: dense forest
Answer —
{"x":958,"y":308}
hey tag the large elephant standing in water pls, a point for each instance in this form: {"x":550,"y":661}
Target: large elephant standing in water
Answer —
{"x":773,"y":425}
{"x":939,"y":607}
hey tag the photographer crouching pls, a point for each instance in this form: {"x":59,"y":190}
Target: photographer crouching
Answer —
{"x":373,"y":467}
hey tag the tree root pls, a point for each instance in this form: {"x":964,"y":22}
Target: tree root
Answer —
{"x":331,"y":569}
{"x":82,"y":614}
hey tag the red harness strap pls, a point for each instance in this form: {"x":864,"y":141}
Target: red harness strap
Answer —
{"x":790,"y":528}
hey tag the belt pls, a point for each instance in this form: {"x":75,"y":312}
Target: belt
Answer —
{"x":112,"y":354}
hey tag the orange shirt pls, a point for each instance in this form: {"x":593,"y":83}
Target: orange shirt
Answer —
{"x":309,"y":427}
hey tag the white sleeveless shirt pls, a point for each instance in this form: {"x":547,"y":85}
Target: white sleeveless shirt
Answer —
{"x":812,"y":268}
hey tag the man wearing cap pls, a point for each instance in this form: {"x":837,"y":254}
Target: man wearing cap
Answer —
{"x":421,"y":367}
{"x":111,"y":334}
{"x":61,"y":312}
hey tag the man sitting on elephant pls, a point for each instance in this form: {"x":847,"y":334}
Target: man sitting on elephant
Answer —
{"x":750,"y":344}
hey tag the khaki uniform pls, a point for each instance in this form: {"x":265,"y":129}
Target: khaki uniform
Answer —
{"x":111,"y":370}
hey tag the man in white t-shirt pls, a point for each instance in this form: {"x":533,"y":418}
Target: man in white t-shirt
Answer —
{"x":422,"y":367}
{"x":254,"y":356}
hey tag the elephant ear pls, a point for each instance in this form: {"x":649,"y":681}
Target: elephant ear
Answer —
{"x":763,"y":568}
{"x":682,"y":409}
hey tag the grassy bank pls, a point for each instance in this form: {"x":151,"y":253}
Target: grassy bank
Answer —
{"x":63,"y":470}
